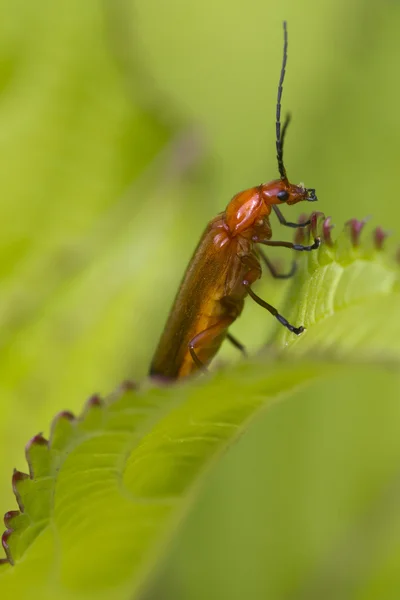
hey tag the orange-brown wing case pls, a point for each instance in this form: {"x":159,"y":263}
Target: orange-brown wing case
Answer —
{"x":213,"y":274}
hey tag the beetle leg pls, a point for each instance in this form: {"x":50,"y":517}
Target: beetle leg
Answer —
{"x":212,"y":336}
{"x":236,"y":343}
{"x":272,"y":268}
{"x":196,"y":360}
{"x":298,"y":247}
{"x":272,"y":310}
{"x":283,"y":221}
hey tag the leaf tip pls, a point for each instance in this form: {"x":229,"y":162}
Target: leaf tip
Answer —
{"x":127,"y":386}
{"x":64,"y":414}
{"x":9,"y":518}
{"x":37,"y":440}
{"x":355,"y":227}
{"x":93,"y":402}
{"x":6,"y":547}
{"x":299,"y":236}
{"x":327,"y":227}
{"x":17,"y":479}
{"x":36,"y":443}
{"x":316,"y":219}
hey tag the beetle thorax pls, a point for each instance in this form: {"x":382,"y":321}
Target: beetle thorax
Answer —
{"x":244,"y":211}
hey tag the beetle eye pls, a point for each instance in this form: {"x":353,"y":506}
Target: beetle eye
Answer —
{"x":283,"y":195}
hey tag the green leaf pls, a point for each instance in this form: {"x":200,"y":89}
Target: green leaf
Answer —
{"x":347,"y":296}
{"x":104,"y":495}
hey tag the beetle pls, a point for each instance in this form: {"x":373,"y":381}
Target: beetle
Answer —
{"x":225,"y":265}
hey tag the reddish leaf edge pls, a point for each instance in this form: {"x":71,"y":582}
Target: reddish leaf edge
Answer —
{"x":14,"y":519}
{"x":321,"y":227}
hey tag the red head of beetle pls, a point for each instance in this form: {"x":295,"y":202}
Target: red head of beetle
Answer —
{"x":280,"y":191}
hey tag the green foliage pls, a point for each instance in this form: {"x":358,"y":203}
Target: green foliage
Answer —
{"x":338,"y":290}
{"x":100,"y":212}
{"x":108,"y":487}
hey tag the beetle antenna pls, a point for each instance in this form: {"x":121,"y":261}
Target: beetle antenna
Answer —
{"x":280,"y":135}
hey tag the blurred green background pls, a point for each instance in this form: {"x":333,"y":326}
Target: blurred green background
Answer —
{"x":124,"y":127}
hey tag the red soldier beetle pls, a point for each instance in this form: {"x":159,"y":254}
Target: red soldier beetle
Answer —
{"x":225,"y":265}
